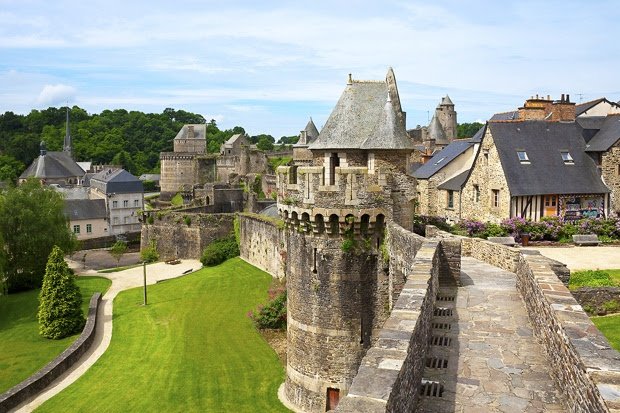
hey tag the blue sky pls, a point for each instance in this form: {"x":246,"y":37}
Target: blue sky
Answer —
{"x":269,"y":66}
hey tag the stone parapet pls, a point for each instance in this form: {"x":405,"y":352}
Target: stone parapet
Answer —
{"x":390,"y":374}
{"x":582,"y":363}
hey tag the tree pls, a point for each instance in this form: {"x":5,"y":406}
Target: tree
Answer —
{"x":60,"y":301}
{"x":31,"y":223}
{"x":264,"y":144}
{"x":467,"y":130}
{"x":10,"y":168}
{"x":118,"y":250}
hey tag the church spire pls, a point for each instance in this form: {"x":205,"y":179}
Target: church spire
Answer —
{"x":67,"y":145}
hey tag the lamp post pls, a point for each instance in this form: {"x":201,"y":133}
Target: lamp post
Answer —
{"x":144,"y":276}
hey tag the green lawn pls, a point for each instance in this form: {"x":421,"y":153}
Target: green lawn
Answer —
{"x":193,"y":348}
{"x":24,"y":351}
{"x":610,"y":326}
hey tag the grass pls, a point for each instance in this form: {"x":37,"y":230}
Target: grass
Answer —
{"x":24,"y":351}
{"x":594,"y":278}
{"x":193,"y":348}
{"x":610,"y":326}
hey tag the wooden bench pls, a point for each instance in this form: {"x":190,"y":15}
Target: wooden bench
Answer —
{"x":509,"y":241}
{"x":586,"y":239}
{"x":173,"y":261}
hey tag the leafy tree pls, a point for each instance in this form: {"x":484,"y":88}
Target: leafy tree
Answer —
{"x":149,"y":254}
{"x":31,"y":223}
{"x":118,"y":250}
{"x":60,"y":301}
{"x":288,"y":140}
{"x":219,"y":251}
{"x":10,"y":168}
{"x":264,"y":144}
{"x":467,"y":130}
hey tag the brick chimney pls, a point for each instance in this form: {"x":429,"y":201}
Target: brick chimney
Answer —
{"x":537,"y":108}
{"x":190,"y":131}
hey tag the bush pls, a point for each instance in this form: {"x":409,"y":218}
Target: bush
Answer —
{"x":219,"y":251}
{"x":273,"y":314}
{"x":60,"y":301}
{"x":421,"y":221}
{"x":149,"y":254}
{"x":493,"y":230}
{"x":590,"y":278}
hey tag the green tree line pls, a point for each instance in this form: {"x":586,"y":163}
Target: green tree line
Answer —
{"x":129,"y":138}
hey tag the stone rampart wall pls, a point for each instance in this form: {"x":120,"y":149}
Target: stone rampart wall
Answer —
{"x":390,"y":374}
{"x":263,"y":244}
{"x":582,"y":363}
{"x":44,"y":377}
{"x":174,"y":238}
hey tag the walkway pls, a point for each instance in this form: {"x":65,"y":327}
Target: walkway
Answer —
{"x":484,"y":357}
{"x":583,"y":258}
{"x":121,"y":280}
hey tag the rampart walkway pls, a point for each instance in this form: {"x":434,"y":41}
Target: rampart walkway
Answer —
{"x":483,"y":350}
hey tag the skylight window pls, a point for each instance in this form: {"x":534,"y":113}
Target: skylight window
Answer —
{"x":523,"y":158}
{"x":440,"y":161}
{"x":566,"y":157}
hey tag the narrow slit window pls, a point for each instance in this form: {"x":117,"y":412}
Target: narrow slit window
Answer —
{"x":566,"y":157}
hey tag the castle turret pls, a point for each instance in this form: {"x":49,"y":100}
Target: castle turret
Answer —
{"x":335,"y":209}
{"x":446,"y":115}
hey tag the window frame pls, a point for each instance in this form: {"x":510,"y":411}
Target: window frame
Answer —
{"x":567,"y":158}
{"x":114,"y":204}
{"x":522,"y":155}
{"x":495,"y":198}
{"x":76,"y":229}
{"x":89,"y":228}
{"x":450,"y":202}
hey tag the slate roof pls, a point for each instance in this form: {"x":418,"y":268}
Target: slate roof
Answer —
{"x":442,"y":158}
{"x":446,"y":101}
{"x":200,"y":131}
{"x":77,"y":209}
{"x":231,"y":141}
{"x":364,"y":118}
{"x":582,"y":107}
{"x":311,"y":134}
{"x":477,"y":138}
{"x":270,"y":211}
{"x":607,"y":136}
{"x":456,"y":183}
{"x":546,"y":172}
{"x":116,"y":181}
{"x":436,"y":132}
{"x":591,"y":122}
{"x":512,"y":115}
{"x":53,"y":165}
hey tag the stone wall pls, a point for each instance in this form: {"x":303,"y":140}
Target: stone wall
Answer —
{"x":390,"y":375}
{"x":44,"y":377}
{"x":173,"y":238}
{"x":610,"y":169}
{"x":582,"y":363}
{"x":399,"y":247}
{"x":263,"y":243}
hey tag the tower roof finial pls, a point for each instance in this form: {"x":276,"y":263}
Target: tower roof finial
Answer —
{"x":67,"y":144}
{"x":350,"y":81}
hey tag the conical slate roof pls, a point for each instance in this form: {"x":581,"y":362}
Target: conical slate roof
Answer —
{"x":365,"y":117}
{"x":311,"y":133}
{"x":446,"y":101}
{"x":435,"y":131}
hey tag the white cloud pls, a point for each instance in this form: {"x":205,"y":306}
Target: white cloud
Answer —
{"x":58,"y":94}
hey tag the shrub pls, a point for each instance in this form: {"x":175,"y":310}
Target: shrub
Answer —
{"x":347,"y":245}
{"x":149,"y":254}
{"x":421,"y":221}
{"x":60,"y":301}
{"x":219,"y":251}
{"x":150,"y":220}
{"x":493,"y":230}
{"x":273,"y":314}
{"x":187,"y":220}
{"x":590,"y":278}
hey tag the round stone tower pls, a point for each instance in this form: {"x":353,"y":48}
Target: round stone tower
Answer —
{"x":335,"y":211}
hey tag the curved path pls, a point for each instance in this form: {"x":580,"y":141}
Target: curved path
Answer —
{"x":121,"y":280}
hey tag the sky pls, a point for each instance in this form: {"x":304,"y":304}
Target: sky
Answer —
{"x":271,"y":65}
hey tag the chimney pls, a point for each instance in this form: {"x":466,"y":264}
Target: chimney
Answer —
{"x":303,"y":138}
{"x":190,"y":131}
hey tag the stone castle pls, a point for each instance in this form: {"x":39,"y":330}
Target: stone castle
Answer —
{"x":368,"y":300}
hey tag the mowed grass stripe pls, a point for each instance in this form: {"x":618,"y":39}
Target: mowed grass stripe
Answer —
{"x":610,"y":326}
{"x":22,"y":350}
{"x":192,"y":349}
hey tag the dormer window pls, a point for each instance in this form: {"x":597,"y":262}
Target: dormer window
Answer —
{"x":567,"y":158}
{"x":523,"y":158}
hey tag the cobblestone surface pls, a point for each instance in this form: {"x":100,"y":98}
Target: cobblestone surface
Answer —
{"x":494,"y":363}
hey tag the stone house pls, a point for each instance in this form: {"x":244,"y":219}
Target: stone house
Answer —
{"x":88,"y":218}
{"x":124,"y":196}
{"x":439,"y":178}
{"x":54,"y":168}
{"x":441,"y":130}
{"x":533,"y":163}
